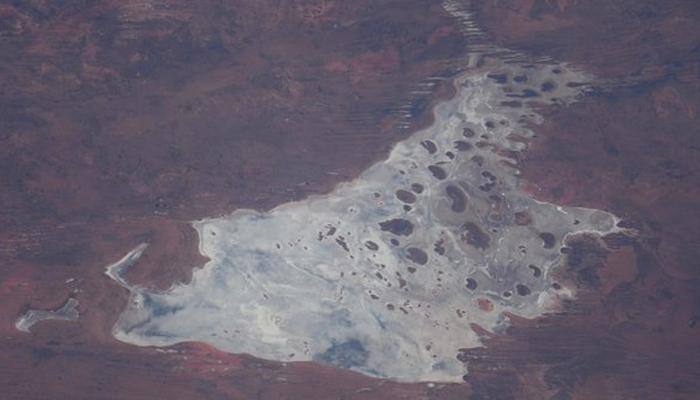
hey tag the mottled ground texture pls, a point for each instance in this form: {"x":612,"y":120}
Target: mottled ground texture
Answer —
{"x":121,"y":121}
{"x":387,"y":274}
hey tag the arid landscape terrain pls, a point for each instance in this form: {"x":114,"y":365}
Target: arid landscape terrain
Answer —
{"x":124,"y":121}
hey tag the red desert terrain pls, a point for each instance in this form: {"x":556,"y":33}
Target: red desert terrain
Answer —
{"x":122,"y":121}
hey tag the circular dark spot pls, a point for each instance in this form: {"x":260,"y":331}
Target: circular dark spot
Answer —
{"x":437,"y":172}
{"x":450,"y":155}
{"x":522,"y":289}
{"x":394,"y":242}
{"x":527,"y":93}
{"x":429,"y":145}
{"x":457,"y":197}
{"x":473,"y":235}
{"x":417,"y":187}
{"x":468,"y":133}
{"x":439,"y":247}
{"x":536,"y":272}
{"x":471,"y":284}
{"x":488,"y":175}
{"x":407,"y":208}
{"x":548,"y":86}
{"x":462,"y":145}
{"x":520,"y":78}
{"x":405,"y":196}
{"x":507,"y":293}
{"x":556,"y":286}
{"x":397,"y":226}
{"x":417,"y":255}
{"x":490,"y":124}
{"x":548,"y":240}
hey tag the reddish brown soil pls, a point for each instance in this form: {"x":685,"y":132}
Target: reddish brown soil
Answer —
{"x":633,"y":150}
{"x":121,"y":113}
{"x":124,"y":120}
{"x":627,"y":40}
{"x":632,"y":333}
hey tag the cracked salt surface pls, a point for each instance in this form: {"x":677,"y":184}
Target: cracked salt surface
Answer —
{"x":385,"y":274}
